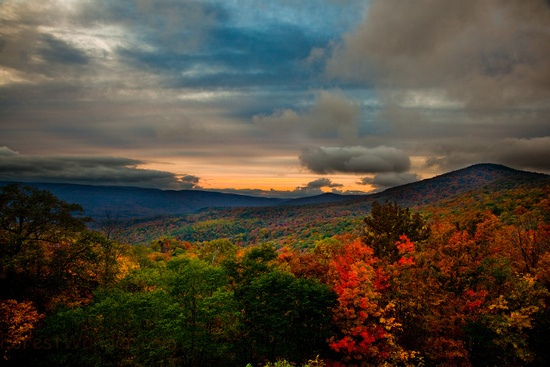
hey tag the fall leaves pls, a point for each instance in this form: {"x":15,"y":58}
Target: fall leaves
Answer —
{"x":463,"y":289}
{"x":17,"y":323}
{"x":464,"y":295}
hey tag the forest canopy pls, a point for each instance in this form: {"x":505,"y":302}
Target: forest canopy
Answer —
{"x":406,"y":288}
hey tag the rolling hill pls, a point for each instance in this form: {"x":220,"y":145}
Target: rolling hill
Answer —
{"x":304,"y":221}
{"x":123,"y":202}
{"x":131,"y":202}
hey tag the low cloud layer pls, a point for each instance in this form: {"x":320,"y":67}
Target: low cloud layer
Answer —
{"x":389,"y":179}
{"x":315,"y":187}
{"x":312,"y":188}
{"x":355,"y":159}
{"x":87,"y":170}
{"x":322,"y":182}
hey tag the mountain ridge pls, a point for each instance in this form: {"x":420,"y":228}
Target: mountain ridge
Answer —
{"x":498,"y":189}
{"x":128,"y":202}
{"x":458,"y":181}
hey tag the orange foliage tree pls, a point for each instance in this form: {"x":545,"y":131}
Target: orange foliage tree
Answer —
{"x":365,"y":317}
{"x":17,"y":322}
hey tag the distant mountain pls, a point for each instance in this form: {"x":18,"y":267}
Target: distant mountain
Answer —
{"x":321,"y":199}
{"x":132,"y":202}
{"x":123,"y":202}
{"x":301,"y":222}
{"x":486,"y":177}
{"x":493,"y":177}
{"x":473,"y":180}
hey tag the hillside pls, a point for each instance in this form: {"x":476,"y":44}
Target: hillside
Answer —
{"x":134,"y":203}
{"x":495,"y":177}
{"x":488,"y":177}
{"x":468,"y":269}
{"x":484,"y":186}
{"x":124,"y":202}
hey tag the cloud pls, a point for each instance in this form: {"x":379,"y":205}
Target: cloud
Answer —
{"x":29,"y":44}
{"x":55,"y":38}
{"x":236,"y":57}
{"x":315,"y":187}
{"x":58,"y":51}
{"x":485,"y":54}
{"x":189,"y":180}
{"x":182,"y":24}
{"x":526,"y":153}
{"x":7,"y":152}
{"x":102,"y":74}
{"x":178,"y":80}
{"x":87,"y":170}
{"x":389,"y":179}
{"x":460,"y":82}
{"x":310,"y":189}
{"x":322,"y":182}
{"x":317,"y":54}
{"x":355,"y":159}
{"x":331,"y":116}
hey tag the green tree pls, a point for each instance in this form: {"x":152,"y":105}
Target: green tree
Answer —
{"x":286,"y":317}
{"x":217,"y":251}
{"x":386,"y":223}
{"x":177,"y":313}
{"x":255,"y":262}
{"x":118,"y":328}
{"x":207,"y":314}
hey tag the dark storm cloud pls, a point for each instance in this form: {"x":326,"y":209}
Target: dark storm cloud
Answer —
{"x":89,"y":170}
{"x":58,"y":51}
{"x":355,"y":159}
{"x":486,"y":54}
{"x":331,"y":115}
{"x":532,"y":154}
{"x":232,"y":58}
{"x":460,"y":82}
{"x":389,"y":179}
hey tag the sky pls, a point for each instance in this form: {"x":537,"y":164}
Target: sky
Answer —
{"x":275,"y":98}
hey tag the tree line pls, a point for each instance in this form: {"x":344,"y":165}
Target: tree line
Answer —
{"x":459,"y":289}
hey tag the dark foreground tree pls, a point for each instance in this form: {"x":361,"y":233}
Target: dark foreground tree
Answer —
{"x":47,"y":257}
{"x":385,"y":225}
{"x":36,"y":229}
{"x":286,"y":317}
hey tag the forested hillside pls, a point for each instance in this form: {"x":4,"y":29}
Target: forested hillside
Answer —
{"x":127,"y":203}
{"x":483,"y":187}
{"x":123,"y":202}
{"x":453,"y":271}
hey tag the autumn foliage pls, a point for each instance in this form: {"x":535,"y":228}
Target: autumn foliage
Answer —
{"x":17,"y":322}
{"x":446,"y":288}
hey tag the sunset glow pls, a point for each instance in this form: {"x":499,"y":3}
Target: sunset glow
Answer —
{"x":278,"y":98}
